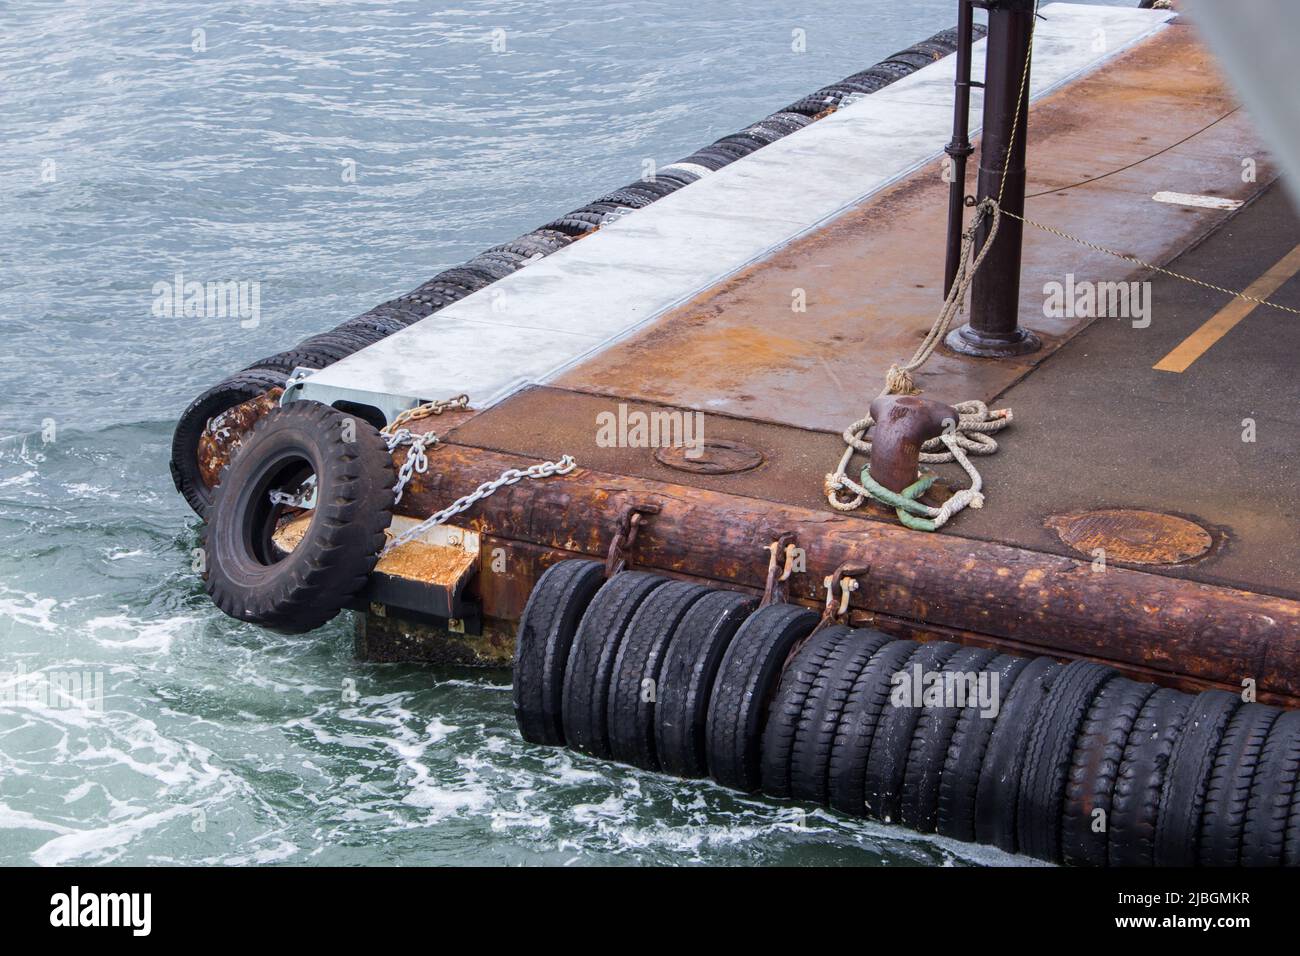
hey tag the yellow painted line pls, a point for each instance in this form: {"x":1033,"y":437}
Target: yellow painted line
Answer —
{"x":1219,"y":324}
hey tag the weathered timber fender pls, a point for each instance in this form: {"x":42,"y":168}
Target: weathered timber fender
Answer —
{"x":1176,"y":632}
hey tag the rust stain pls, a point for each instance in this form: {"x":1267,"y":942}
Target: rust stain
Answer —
{"x":1131,"y":536}
{"x":415,"y":560}
{"x":224,"y":434}
{"x":872,"y":277}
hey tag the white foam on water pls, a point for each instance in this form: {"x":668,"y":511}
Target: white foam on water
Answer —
{"x":142,"y":635}
{"x":30,"y":610}
{"x":102,"y":840}
{"x":11,"y":819}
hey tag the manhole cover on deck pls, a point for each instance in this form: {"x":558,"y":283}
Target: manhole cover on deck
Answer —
{"x":717,"y":457}
{"x":1134,"y":537}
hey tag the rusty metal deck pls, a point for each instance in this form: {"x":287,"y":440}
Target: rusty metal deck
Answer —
{"x":872,"y":278}
{"x":1095,"y":425}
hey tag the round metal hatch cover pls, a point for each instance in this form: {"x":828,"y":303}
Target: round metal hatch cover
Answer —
{"x":1133,"y":537}
{"x":717,"y":457}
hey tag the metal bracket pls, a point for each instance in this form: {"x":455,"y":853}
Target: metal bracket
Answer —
{"x":774,"y":591}
{"x":620,"y":549}
{"x":845,"y":579}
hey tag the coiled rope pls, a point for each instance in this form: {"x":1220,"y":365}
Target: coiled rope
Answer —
{"x":971,"y":434}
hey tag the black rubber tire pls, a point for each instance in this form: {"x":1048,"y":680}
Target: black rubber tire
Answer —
{"x":709,"y":158}
{"x":540,"y":242}
{"x":465,"y":277}
{"x":546,"y":629}
{"x":736,"y":148}
{"x":492,"y":268}
{"x":640,"y":658}
{"x":1094,"y":767}
{"x":184,"y":463}
{"x":788,"y":705}
{"x":1048,"y":754}
{"x":791,"y":122}
{"x":286,"y":362}
{"x":912,"y":58}
{"x":686,"y":680}
{"x":813,"y":105}
{"x":764,"y":132}
{"x":850,"y":87}
{"x":1182,"y":800}
{"x":376,"y":325}
{"x":966,"y":750}
{"x":328,"y":346}
{"x":511,"y":260}
{"x":652,"y":189}
{"x":858,"y":723}
{"x":577,"y":223}
{"x":1263,"y":836}
{"x":742,"y":692}
{"x":892,"y":69}
{"x":1291,"y":844}
{"x":427,"y":300}
{"x":869,"y":82}
{"x":935,"y":48}
{"x":1228,"y":793}
{"x":587,"y":674}
{"x":680,"y":177}
{"x":628,"y":198}
{"x":814,"y":737}
{"x":892,"y":743}
{"x":250,"y":580}
{"x":742,"y":143}
{"x":393,"y":311}
{"x":919,"y":807}
{"x":998,"y":791}
{"x":1135,"y":804}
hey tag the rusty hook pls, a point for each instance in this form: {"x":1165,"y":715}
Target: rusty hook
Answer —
{"x":620,"y":549}
{"x":845,"y":579}
{"x":773,"y":591}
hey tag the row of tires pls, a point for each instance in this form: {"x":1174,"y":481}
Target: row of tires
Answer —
{"x":1070,"y":763}
{"x":454,"y":284}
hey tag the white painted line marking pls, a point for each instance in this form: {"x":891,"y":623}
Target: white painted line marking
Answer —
{"x":1191,"y":199}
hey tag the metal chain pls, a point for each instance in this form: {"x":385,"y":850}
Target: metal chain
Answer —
{"x":395,"y":434}
{"x":416,"y":462}
{"x":304,"y":497}
{"x":510,"y":476}
{"x":1060,"y":234}
{"x":436,"y":407}
{"x":1154,"y":268}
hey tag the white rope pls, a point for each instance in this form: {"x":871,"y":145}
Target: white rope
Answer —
{"x":971,"y":434}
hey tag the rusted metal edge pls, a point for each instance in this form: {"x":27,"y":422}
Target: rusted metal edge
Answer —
{"x":1171,"y":629}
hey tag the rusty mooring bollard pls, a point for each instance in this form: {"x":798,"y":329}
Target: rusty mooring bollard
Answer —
{"x":903,"y":424}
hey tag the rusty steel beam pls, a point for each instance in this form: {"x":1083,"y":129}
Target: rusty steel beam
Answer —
{"x":1044,"y":603}
{"x":959,"y":147}
{"x":994,"y":330}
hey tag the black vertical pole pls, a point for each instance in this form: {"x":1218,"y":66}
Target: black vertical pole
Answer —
{"x":959,"y":147}
{"x":994,"y":328}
